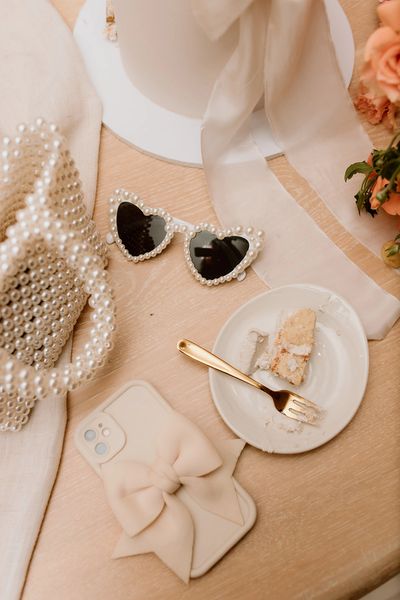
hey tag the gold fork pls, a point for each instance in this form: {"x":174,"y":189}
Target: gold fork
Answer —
{"x":288,"y":403}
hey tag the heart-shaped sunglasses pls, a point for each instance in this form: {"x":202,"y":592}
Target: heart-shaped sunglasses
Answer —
{"x":213,"y":255}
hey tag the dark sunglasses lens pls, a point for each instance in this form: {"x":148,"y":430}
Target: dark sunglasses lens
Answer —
{"x":215,"y":258}
{"x":139,"y":233}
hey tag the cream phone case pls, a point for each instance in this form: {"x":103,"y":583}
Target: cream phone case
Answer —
{"x":126,"y":426}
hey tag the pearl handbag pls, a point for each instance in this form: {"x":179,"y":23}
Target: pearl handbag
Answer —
{"x":51,"y":261}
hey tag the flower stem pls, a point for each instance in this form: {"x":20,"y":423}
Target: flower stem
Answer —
{"x":394,"y":138}
{"x":393,"y":178}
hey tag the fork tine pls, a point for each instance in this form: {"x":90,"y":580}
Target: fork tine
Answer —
{"x":304,"y":402}
{"x":303,"y":407}
{"x":292,"y":415}
{"x":301,"y":413}
{"x":300,"y":416}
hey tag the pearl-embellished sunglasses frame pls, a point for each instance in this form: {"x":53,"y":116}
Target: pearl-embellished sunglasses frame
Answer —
{"x":173,"y":226}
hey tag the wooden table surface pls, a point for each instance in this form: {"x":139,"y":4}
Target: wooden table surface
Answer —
{"x":328,"y":522}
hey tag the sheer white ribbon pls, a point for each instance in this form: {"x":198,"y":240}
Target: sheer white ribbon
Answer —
{"x":285,"y":52}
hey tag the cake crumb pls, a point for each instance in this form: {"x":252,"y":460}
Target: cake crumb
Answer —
{"x":252,"y":349}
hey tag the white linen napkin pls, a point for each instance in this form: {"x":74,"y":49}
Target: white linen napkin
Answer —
{"x":41,"y":74}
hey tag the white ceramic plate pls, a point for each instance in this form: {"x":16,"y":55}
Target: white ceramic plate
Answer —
{"x":336,"y":377}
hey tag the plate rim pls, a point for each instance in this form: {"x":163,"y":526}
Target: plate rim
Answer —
{"x":212,"y":374}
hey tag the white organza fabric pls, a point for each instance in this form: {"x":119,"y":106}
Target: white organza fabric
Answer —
{"x":285,"y":52}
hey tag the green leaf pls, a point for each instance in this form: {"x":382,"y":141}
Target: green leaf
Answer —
{"x":358,"y":167}
{"x":364,"y":194}
{"x":377,"y":159}
{"x":360,"y":201}
{"x":392,"y":250}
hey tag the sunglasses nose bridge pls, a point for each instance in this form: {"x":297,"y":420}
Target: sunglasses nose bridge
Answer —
{"x":180,"y":225}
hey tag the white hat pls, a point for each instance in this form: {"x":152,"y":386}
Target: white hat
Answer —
{"x":154,"y":81}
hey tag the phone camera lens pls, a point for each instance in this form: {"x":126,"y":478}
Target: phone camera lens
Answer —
{"x":89,"y":435}
{"x":100,"y":448}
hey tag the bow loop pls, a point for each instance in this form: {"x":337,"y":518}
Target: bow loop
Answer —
{"x":135,"y":502}
{"x":185,"y":447}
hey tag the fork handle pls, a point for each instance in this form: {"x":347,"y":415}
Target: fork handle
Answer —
{"x":211,"y":360}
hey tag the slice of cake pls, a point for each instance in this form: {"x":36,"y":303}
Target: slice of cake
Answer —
{"x":292,"y":346}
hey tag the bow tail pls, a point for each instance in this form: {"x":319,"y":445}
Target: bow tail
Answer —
{"x":170,"y":537}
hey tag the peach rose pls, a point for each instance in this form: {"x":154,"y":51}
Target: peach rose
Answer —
{"x":392,"y":205}
{"x":389,"y":14}
{"x":381,"y":72}
{"x":376,"y":109}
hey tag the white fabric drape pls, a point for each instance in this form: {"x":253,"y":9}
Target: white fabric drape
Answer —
{"x":41,"y":74}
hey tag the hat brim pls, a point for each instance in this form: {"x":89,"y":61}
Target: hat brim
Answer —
{"x":148,"y":126}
